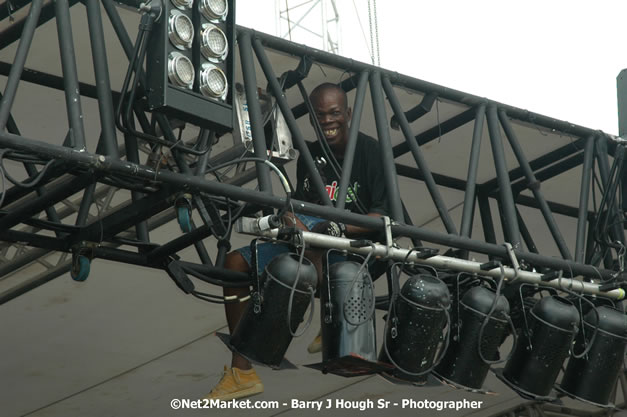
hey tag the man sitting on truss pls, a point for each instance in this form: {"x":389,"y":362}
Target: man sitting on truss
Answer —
{"x":366,"y":194}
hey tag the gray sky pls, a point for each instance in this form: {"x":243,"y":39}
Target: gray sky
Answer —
{"x":555,"y":57}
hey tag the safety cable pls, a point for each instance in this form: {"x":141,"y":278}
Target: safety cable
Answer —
{"x":488,"y":316}
{"x":293,"y":290}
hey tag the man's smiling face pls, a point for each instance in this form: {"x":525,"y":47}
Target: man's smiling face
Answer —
{"x":334,"y":115}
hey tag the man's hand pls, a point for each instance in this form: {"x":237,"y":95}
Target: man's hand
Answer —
{"x":330,"y":228}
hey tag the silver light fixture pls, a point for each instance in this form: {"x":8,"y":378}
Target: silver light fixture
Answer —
{"x":183,"y":4}
{"x":180,"y":30}
{"x":213,"y":82}
{"x":214,"y":10}
{"x":213,"y":43}
{"x":180,"y":70}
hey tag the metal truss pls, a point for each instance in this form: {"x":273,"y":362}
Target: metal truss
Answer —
{"x":294,"y":22}
{"x":105,"y":204}
{"x":69,"y":169}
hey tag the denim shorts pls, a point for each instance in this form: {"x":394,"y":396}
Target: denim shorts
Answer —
{"x":268,"y":250}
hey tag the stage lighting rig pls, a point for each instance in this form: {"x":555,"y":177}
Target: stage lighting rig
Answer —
{"x":190,"y":62}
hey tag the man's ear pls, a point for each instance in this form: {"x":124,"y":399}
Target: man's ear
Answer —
{"x":349,"y":113}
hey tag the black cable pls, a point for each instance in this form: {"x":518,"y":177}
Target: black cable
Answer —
{"x":33,"y":183}
{"x":487,"y":318}
{"x":293,"y":290}
{"x":124,"y":124}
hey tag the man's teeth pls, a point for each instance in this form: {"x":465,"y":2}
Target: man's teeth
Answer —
{"x":330,"y":132}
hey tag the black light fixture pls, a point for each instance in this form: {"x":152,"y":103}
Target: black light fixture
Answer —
{"x":592,"y":377}
{"x":284,"y":292}
{"x":415,"y":325}
{"x":475,"y":339}
{"x":347,"y":304}
{"x":543,"y":345}
{"x":190,"y":62}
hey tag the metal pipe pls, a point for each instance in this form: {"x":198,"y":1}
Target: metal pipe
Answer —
{"x":473,"y":165}
{"x":534,"y":185}
{"x":132,"y":154}
{"x":52,"y":81}
{"x":31,"y":170}
{"x":18,"y":62}
{"x":201,"y":250}
{"x":177,"y":180}
{"x":179,"y":243}
{"x":421,"y":162}
{"x":486,"y":218}
{"x":32,"y":255}
{"x":505,"y":192}
{"x":349,"y":152}
{"x":254,"y":111}
{"x":584,"y":196}
{"x":385,"y":145}
{"x":551,"y":171}
{"x":103,"y":83}
{"x":437,"y":131}
{"x":34,"y":206}
{"x":445,"y":262}
{"x":83,"y":211}
{"x":12,"y":7}
{"x":446,"y":93}
{"x":556,"y":208}
{"x":416,"y":112}
{"x":297,"y":136}
{"x":64,"y":268}
{"x":541,"y":161}
{"x":531,"y":245}
{"x":70,"y":74}
{"x":122,"y":34}
{"x":616,"y":232}
{"x":14,"y":31}
{"x":443,"y":180}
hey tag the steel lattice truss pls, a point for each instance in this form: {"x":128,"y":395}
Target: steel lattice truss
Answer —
{"x":101,"y":197}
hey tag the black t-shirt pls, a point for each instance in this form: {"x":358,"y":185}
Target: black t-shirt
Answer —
{"x":366,"y":178}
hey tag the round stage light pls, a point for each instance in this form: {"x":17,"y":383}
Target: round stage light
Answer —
{"x":183,"y":4}
{"x":214,"y":9}
{"x":180,"y":30}
{"x":213,"y":82}
{"x":213,"y":43}
{"x":181,"y":70}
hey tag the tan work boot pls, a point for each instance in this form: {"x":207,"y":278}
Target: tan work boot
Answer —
{"x":236,"y":383}
{"x":316,"y":345}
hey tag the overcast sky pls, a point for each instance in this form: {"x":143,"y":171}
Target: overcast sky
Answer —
{"x":555,"y":57}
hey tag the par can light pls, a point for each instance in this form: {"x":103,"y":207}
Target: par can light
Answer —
{"x":593,"y":377}
{"x":214,"y":10}
{"x":347,"y":313}
{"x":213,"y":43}
{"x":412,"y":341}
{"x":542,"y":347}
{"x":463,"y":364}
{"x":287,"y":287}
{"x":180,"y":70}
{"x":213,"y":82}
{"x":180,"y":30}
